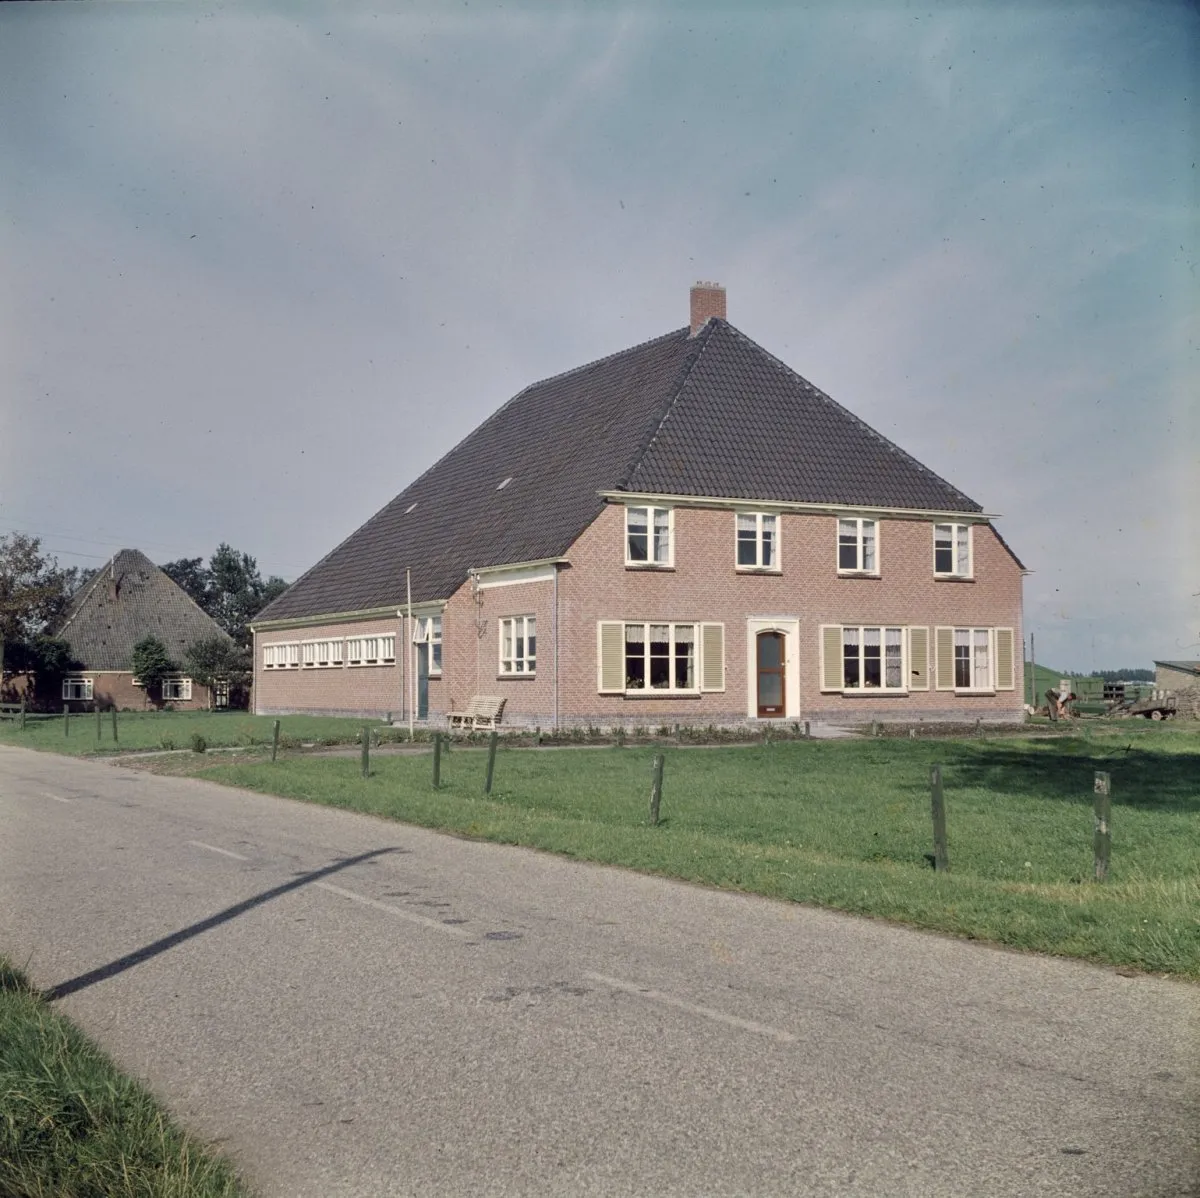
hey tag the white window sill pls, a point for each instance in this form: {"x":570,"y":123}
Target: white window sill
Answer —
{"x":657,"y":693}
{"x":516,"y":677}
{"x":868,"y":691}
{"x":365,"y":665}
{"x":758,"y":569}
{"x":958,"y":690}
{"x":859,"y":574}
{"x":954,"y":577}
{"x":649,"y":566}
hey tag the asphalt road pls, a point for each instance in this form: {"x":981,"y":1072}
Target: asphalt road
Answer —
{"x":356,"y":1007}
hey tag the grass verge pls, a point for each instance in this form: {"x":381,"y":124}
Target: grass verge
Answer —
{"x":72,"y":1124}
{"x":148,"y":730}
{"x":843,"y":824}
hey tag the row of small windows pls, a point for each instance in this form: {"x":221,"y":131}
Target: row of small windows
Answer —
{"x":328,"y":654}
{"x":650,"y":537}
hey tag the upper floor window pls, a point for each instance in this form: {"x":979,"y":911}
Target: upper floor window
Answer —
{"x":952,"y":550}
{"x":757,"y":541}
{"x":518,"y":645}
{"x":77,"y":688}
{"x":428,"y":631}
{"x":648,"y":536}
{"x":858,"y":546}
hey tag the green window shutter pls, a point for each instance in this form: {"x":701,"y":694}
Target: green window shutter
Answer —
{"x":712,"y":657}
{"x":831,"y":657}
{"x":944,"y":652}
{"x":610,"y":639}
{"x":1005,"y":680}
{"x":918,"y":659}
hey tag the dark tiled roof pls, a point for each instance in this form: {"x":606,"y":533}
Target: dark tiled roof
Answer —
{"x":104,"y":623}
{"x":713,"y":414}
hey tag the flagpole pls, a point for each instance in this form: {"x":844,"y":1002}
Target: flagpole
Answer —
{"x":412,"y":682}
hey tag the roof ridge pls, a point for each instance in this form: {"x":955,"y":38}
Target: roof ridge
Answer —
{"x":685,"y":372}
{"x":887,"y":443}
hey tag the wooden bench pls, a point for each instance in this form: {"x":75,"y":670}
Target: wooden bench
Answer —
{"x":483,"y":711}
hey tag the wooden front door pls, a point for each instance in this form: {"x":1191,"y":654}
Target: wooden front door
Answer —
{"x":770,"y":674}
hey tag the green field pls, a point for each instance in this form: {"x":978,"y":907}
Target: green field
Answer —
{"x":71,"y":1124}
{"x":174,"y":730}
{"x":843,"y":824}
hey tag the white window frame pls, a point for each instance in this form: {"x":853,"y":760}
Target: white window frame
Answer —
{"x":760,"y":521}
{"x":427,"y":630}
{"x":522,"y":664}
{"x":652,"y":560}
{"x":883,"y":629}
{"x":973,"y":687}
{"x":325,"y":654}
{"x":672,"y":625}
{"x":861,"y":523}
{"x":371,"y":649}
{"x":83,"y":685}
{"x":176,"y":690}
{"x":281,"y":655}
{"x":961,"y":538}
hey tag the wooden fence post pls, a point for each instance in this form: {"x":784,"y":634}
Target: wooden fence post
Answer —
{"x":366,"y":751}
{"x":275,"y":741}
{"x":437,"y":760}
{"x":807,"y":730}
{"x":66,"y":719}
{"x":114,"y":718}
{"x":1102,"y":813}
{"x":96,"y":705}
{"x":941,"y":857}
{"x":22,"y":713}
{"x":656,"y":788}
{"x":491,"y":766}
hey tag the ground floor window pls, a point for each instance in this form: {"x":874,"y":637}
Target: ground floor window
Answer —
{"x":371,"y":650}
{"x":282,"y":655}
{"x":975,"y":659}
{"x":77,"y":688}
{"x":428,"y":631}
{"x":872,"y":658}
{"x":518,"y":645}
{"x":176,"y":689}
{"x":972,"y":659}
{"x":660,"y":657}
{"x":323,"y":654}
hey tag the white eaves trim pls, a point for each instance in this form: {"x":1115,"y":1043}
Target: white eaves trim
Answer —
{"x":775,"y":505}
{"x":487,"y":577}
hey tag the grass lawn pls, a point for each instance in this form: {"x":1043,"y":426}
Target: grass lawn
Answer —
{"x":175,"y":730}
{"x":843,"y":824}
{"x":72,"y":1124}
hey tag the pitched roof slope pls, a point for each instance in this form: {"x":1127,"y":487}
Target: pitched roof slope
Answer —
{"x":713,"y":414}
{"x":127,"y":600}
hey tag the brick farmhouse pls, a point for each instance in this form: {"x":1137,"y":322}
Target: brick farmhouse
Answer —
{"x":121,"y":604}
{"x":684,"y":532}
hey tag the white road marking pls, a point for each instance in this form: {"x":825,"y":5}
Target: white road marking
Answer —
{"x":57,"y":798}
{"x":212,"y":848}
{"x":425,"y":922}
{"x":669,"y":1000}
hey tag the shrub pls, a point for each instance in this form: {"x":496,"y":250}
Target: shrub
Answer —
{"x":199,"y":744}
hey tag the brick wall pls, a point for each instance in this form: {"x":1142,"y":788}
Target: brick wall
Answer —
{"x":114,"y":688}
{"x":705,"y":586}
{"x":335,"y":690}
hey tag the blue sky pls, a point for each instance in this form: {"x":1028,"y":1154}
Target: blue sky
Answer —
{"x":262,"y":264}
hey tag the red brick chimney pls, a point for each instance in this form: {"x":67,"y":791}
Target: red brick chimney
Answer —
{"x":708,"y":299}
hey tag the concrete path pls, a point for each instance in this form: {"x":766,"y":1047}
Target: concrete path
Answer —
{"x":356,"y":1007}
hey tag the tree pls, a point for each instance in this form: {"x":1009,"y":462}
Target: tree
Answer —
{"x":230,"y":588}
{"x":218,"y":659}
{"x":46,"y":659}
{"x":34,"y":594}
{"x":193,"y":576}
{"x":151,"y":665}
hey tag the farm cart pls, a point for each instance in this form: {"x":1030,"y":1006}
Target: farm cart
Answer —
{"x":1157,"y":705}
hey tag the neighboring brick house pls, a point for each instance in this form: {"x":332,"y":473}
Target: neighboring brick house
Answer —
{"x":129,"y":599}
{"x":684,"y":532}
